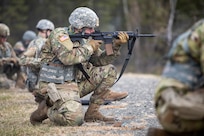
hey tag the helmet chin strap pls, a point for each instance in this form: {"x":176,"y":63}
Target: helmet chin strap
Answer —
{"x":46,"y":35}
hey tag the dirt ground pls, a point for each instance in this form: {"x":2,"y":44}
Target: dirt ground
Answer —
{"x":135,"y":113}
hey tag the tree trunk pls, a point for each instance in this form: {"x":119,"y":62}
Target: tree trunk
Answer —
{"x":171,"y":20}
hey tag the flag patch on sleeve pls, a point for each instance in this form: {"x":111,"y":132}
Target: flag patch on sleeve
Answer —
{"x":63,"y":38}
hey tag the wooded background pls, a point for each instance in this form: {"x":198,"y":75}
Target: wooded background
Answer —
{"x":165,"y":18}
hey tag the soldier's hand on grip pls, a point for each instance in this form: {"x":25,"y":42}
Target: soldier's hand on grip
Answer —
{"x":123,"y":38}
{"x":95,"y":44}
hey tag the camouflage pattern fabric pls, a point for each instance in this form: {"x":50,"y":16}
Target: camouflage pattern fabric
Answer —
{"x":96,"y":65}
{"x":68,"y":111}
{"x":8,"y":68}
{"x":102,"y":78}
{"x":4,"y":30}
{"x":167,"y":116}
{"x":60,"y":51}
{"x":30,"y":58}
{"x":83,"y":17}
{"x":19,"y":48}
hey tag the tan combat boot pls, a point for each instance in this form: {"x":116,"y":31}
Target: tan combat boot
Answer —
{"x":92,"y":114}
{"x":39,"y":114}
{"x":116,"y":96}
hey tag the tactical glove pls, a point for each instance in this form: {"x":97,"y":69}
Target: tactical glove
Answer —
{"x":95,"y":44}
{"x":123,"y":38}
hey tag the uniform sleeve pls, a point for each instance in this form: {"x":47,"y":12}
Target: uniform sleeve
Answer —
{"x":13,"y":54}
{"x":30,"y":61}
{"x":66,"y":51}
{"x":101,"y":58}
{"x":197,"y":45}
{"x":202,"y":55}
{"x":76,"y":55}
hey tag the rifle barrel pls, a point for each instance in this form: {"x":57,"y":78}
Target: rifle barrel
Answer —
{"x":146,"y":35}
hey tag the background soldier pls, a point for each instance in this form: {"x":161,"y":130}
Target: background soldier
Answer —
{"x":22,"y":45}
{"x":8,"y":60}
{"x":179,"y":98}
{"x":19,"y":48}
{"x":44,"y":27}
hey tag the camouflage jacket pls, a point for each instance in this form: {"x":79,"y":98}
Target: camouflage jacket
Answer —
{"x":6,"y":51}
{"x":186,"y":57}
{"x":60,"y":47}
{"x":30,"y":57}
{"x":195,"y":45}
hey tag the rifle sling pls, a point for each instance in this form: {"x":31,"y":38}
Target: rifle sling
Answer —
{"x":130,"y":48}
{"x":80,"y":67}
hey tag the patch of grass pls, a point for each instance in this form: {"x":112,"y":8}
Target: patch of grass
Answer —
{"x":16,"y":107}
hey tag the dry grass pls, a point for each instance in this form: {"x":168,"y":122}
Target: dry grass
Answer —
{"x":17,"y":105}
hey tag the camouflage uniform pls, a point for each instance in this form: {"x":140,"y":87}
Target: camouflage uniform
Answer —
{"x":8,"y":60}
{"x":179,"y":98}
{"x":22,"y":45}
{"x":19,"y":48}
{"x":62,"y":63}
{"x":32,"y":70}
{"x":59,"y":52}
{"x":31,"y":57}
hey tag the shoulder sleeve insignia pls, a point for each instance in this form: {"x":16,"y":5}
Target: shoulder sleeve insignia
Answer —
{"x":66,"y":41}
{"x":63,"y":38}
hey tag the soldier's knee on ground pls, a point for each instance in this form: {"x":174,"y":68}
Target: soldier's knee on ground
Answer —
{"x":67,"y":113}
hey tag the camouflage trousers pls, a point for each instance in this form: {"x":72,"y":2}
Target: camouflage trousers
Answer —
{"x":4,"y":84}
{"x":178,"y":108}
{"x":68,"y":110}
{"x":101,"y":79}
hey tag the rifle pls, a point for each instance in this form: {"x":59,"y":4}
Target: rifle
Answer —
{"x":10,"y":66}
{"x":108,"y":37}
{"x":18,"y":52}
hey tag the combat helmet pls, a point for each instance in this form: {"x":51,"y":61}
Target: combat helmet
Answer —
{"x":45,"y":24}
{"x":83,"y":17}
{"x":4,"y":30}
{"x":29,"y":35}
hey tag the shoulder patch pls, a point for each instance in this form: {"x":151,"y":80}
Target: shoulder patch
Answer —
{"x":66,"y":41}
{"x":63,"y":38}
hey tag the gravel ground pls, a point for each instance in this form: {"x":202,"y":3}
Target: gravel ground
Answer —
{"x":137,"y":110}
